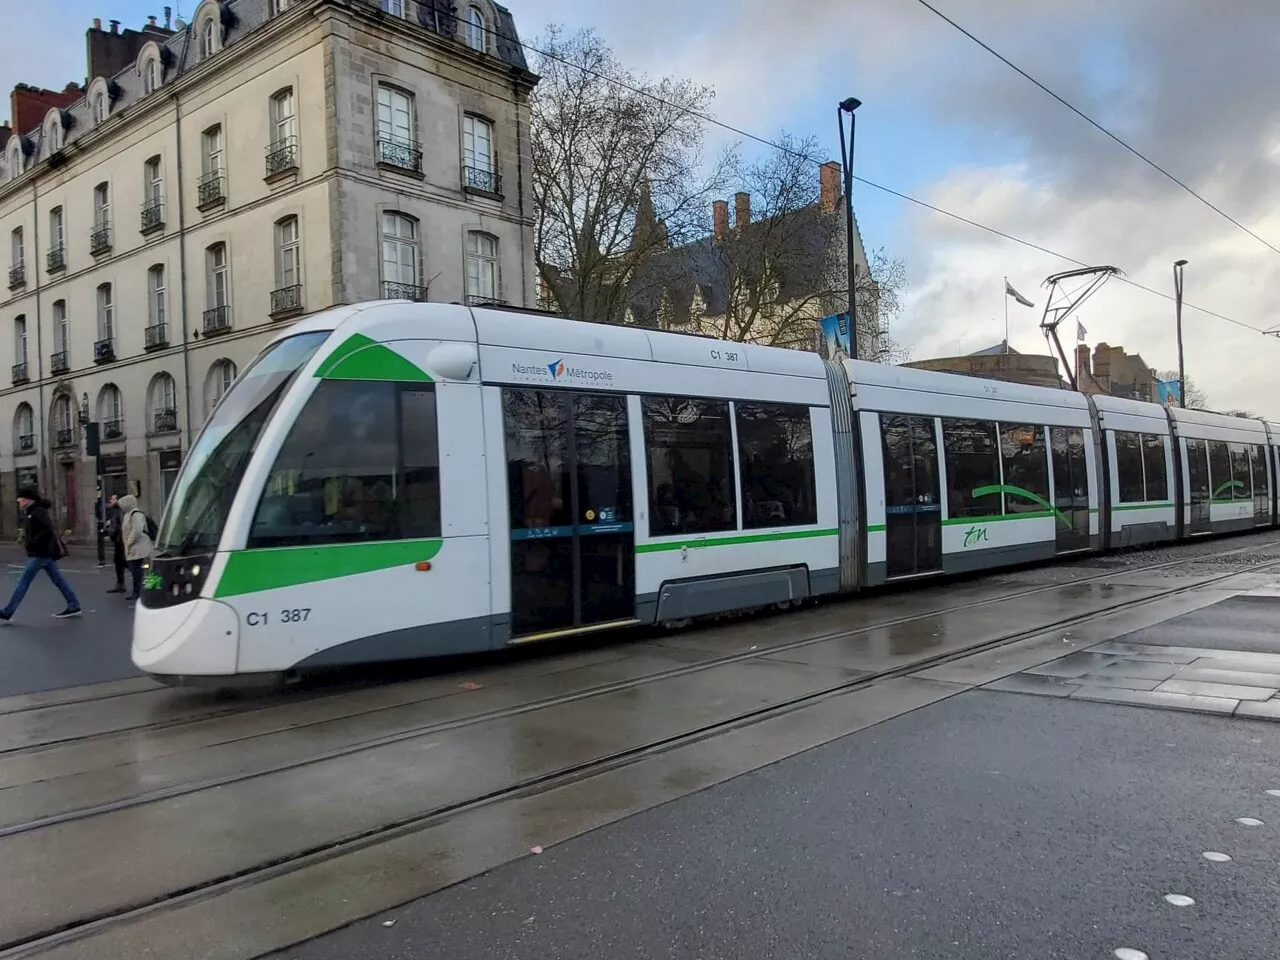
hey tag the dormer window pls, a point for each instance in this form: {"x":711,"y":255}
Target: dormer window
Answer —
{"x":208,"y":39}
{"x":150,"y":75}
{"x":100,"y":108}
{"x":475,"y":27}
{"x":53,"y":133}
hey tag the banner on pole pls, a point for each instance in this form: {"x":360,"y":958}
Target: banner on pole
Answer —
{"x":835,"y":336}
{"x":1169,"y":392}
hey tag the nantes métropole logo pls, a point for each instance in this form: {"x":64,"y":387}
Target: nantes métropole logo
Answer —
{"x":557,"y":369}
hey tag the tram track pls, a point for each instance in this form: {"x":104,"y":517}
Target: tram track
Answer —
{"x":404,"y":733}
{"x":339,"y":846}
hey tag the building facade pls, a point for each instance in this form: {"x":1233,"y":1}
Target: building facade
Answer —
{"x":218,"y":179}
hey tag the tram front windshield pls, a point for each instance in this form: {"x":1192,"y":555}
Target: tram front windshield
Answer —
{"x":216,"y":464}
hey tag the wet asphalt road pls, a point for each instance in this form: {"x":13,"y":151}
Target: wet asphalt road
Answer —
{"x":40,"y":653}
{"x":987,"y":825}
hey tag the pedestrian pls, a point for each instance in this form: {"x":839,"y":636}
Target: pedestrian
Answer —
{"x":116,"y":534}
{"x":44,"y":550}
{"x":137,"y":542}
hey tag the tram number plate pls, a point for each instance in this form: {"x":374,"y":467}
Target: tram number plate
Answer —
{"x":294,"y":615}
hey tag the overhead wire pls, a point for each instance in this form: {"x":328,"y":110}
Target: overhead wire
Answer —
{"x":783,"y":148}
{"x":1094,"y":123}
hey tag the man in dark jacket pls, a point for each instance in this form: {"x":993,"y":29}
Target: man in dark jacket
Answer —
{"x":117,"y":541}
{"x":43,"y":550}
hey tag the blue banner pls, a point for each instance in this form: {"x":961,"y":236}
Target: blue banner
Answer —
{"x":1168,"y":391}
{"x":835,"y":335}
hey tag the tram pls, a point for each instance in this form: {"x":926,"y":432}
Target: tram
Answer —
{"x":397,"y":480}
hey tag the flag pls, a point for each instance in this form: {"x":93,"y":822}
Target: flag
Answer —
{"x":1010,"y":292}
{"x":1081,"y":332}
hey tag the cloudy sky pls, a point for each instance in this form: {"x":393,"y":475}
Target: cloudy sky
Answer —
{"x":1191,"y":84}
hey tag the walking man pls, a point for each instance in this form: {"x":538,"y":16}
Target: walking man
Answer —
{"x":137,"y":543}
{"x":44,"y":549}
{"x":115,"y":532}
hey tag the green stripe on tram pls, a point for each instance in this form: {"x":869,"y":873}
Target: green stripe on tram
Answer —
{"x":250,"y":571}
{"x":733,"y":541}
{"x":363,"y":358}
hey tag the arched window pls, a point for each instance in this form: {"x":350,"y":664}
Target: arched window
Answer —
{"x":164,"y":404}
{"x":482,"y":267}
{"x":15,"y":157}
{"x":111,"y":412}
{"x":221,"y":375}
{"x":399,"y":256}
{"x":288,"y":252}
{"x":53,"y":132}
{"x":63,"y":422}
{"x":476,"y":29}
{"x":150,"y":75}
{"x":99,"y":108}
{"x":24,"y":429}
{"x":208,"y":38}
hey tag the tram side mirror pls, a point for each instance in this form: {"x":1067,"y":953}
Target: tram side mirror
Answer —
{"x":453,"y":361}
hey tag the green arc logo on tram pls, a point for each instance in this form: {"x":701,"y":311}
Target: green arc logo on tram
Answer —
{"x":1035,"y":498}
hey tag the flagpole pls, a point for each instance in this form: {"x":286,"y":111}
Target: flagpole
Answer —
{"x":1006,"y":314}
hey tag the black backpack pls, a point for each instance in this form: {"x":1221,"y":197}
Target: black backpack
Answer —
{"x":152,"y":529}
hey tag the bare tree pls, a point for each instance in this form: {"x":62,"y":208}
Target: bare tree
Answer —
{"x":618,"y":171}
{"x":879,"y":302}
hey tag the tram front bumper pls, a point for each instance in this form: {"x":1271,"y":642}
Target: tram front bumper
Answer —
{"x":198,"y":638}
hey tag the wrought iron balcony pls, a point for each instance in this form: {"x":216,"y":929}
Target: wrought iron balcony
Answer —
{"x":100,"y":238}
{"x":166,"y":421}
{"x":211,"y":190}
{"x":286,"y":300}
{"x":403,"y":291}
{"x":156,"y":336}
{"x":217,"y":320}
{"x":59,"y":362}
{"x":20,"y":373}
{"x":153,"y":215}
{"x":402,"y":154}
{"x":478,"y":300}
{"x":65,"y":437}
{"x":282,"y":156}
{"x":17,"y":276}
{"x":56,"y":258}
{"x":113,"y":429}
{"x":104,"y":351}
{"x":479,"y":180}
{"x":27,"y":443}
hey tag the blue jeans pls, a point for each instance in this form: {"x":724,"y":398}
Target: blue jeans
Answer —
{"x":34,"y":566}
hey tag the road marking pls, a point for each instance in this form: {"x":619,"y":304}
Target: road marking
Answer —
{"x":1249,"y":821}
{"x":1178,"y":900}
{"x":1215,"y":856}
{"x":1128,"y":953}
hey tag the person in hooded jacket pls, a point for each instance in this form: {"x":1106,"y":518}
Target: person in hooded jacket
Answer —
{"x":43,"y":550}
{"x":137,"y":545}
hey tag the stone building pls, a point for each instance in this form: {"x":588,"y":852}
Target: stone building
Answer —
{"x":216,"y":180}
{"x":1000,"y":362}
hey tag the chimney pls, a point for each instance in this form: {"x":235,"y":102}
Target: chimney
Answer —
{"x":115,"y":26}
{"x":97,"y":23}
{"x":151,"y":21}
{"x":829,"y":183}
{"x":720,"y":220}
{"x":741,"y":209}
{"x":168,"y":12}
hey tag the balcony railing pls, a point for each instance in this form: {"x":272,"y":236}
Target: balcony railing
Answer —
{"x":20,"y":373}
{"x":26,"y":443}
{"x":402,"y":154}
{"x":403,"y":291}
{"x":479,"y":180}
{"x":479,"y":300}
{"x":104,"y":351}
{"x":113,"y":429}
{"x":65,"y":437}
{"x":211,"y":190}
{"x":153,"y":215}
{"x":17,"y":276}
{"x":286,"y":300}
{"x":282,"y":156}
{"x":166,"y":421}
{"x":56,"y":258}
{"x":100,"y":238}
{"x":59,"y":362}
{"x":217,"y":320}
{"x":156,"y":336}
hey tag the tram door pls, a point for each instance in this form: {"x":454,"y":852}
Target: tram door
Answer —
{"x":1201,"y":492}
{"x":569,"y":493}
{"x":913,"y":511}
{"x":1070,"y":488}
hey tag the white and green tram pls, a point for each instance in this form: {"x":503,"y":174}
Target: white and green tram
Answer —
{"x":395,"y":480}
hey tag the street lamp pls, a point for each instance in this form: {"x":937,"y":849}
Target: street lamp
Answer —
{"x":1177,"y":300}
{"x":848,"y":106}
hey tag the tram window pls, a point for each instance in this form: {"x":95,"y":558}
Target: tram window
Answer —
{"x":689,"y":448}
{"x":360,"y":463}
{"x":1154,"y":464}
{"x":1026,"y":467}
{"x":1220,"y":470}
{"x":1129,"y":467}
{"x":1198,"y":470}
{"x":973,"y":462}
{"x":1258,"y":468}
{"x":775,"y":456}
{"x":1241,"y":487}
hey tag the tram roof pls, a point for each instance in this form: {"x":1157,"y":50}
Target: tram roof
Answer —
{"x":866,"y":374}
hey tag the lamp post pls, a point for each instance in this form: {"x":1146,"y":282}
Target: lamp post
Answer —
{"x":1177,"y":301}
{"x":846,"y":162}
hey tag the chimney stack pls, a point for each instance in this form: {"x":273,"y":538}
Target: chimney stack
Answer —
{"x":829,"y":187}
{"x":168,"y":12}
{"x":741,"y":209}
{"x":97,"y":23}
{"x":720,"y":220}
{"x":115,"y":26}
{"x":151,"y":21}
